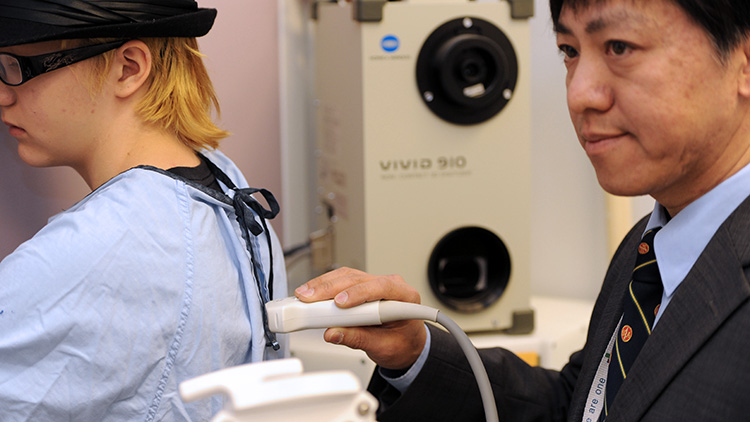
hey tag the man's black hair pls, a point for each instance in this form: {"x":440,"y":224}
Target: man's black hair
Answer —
{"x":726,"y":21}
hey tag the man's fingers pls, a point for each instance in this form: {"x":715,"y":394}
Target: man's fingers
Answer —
{"x":328,"y":285}
{"x":387,"y":287}
{"x":350,"y":287}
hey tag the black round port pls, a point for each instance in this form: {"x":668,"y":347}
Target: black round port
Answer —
{"x":469,"y":269}
{"x":466,"y":71}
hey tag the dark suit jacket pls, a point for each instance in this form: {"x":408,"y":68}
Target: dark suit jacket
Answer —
{"x":695,"y":366}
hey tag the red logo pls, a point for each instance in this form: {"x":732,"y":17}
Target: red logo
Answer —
{"x":656,"y":310}
{"x":643,"y":248}
{"x":626,"y":334}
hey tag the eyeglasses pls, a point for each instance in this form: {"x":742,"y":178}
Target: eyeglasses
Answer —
{"x":15,"y":70}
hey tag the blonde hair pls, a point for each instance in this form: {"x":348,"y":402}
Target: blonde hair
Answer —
{"x":180,"y":93}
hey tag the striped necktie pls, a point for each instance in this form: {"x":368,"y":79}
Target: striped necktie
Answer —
{"x":639,"y":312}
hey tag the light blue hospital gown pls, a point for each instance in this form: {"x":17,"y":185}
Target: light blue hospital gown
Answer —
{"x":143,"y":284}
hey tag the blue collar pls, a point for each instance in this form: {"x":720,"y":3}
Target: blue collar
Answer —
{"x":684,"y":237}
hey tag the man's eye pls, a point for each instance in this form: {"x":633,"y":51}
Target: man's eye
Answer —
{"x":618,"y":48}
{"x":568,"y":51}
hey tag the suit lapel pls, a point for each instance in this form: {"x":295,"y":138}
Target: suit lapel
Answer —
{"x":714,"y":288}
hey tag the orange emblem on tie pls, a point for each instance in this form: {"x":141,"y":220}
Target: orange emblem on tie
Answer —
{"x":656,"y":310}
{"x":626,"y":334}
{"x":643,"y":248}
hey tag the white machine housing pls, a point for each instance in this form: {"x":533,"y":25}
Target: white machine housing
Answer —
{"x":279,"y":390}
{"x":396,"y":178}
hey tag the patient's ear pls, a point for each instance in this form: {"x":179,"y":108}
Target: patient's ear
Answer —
{"x":131,"y":67}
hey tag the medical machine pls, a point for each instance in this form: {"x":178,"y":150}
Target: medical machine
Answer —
{"x":423,"y":149}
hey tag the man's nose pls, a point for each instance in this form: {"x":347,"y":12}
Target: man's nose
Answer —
{"x":589,"y":86}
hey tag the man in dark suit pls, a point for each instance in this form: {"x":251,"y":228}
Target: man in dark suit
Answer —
{"x":659,"y":94}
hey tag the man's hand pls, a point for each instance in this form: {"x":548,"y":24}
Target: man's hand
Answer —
{"x":394,"y":345}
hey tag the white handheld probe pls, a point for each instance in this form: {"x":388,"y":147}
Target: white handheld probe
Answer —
{"x":291,"y":314}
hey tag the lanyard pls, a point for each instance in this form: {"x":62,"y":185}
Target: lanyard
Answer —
{"x":597,"y":393}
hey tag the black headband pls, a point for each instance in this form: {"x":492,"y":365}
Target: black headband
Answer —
{"x":72,"y":13}
{"x":30,"y":21}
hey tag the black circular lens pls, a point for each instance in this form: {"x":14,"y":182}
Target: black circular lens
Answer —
{"x":469,"y":269}
{"x":465,"y":72}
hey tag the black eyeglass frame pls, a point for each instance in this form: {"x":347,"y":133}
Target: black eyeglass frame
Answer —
{"x":33,"y":66}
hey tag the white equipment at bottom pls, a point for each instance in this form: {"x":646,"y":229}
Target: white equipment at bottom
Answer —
{"x":279,"y":390}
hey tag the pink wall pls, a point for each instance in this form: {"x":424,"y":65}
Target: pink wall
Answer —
{"x":242,"y":58}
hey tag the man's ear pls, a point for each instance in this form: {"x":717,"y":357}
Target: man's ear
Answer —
{"x":744,"y":82}
{"x":132,"y":67}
